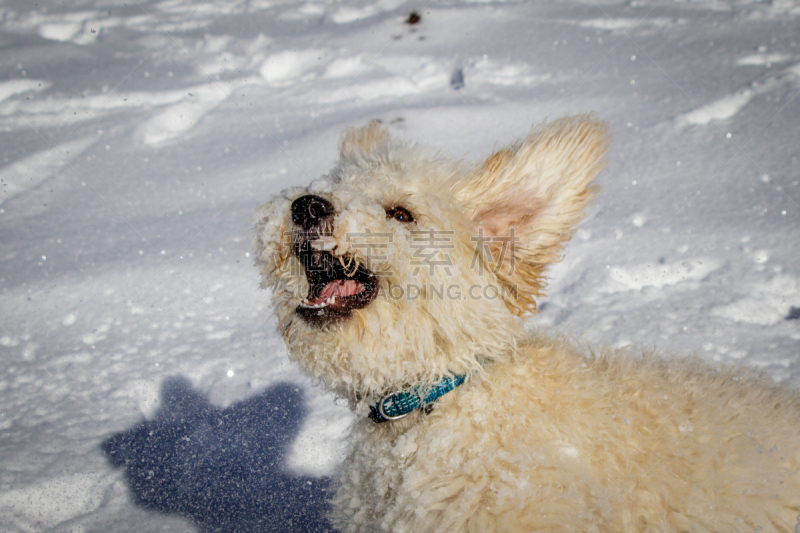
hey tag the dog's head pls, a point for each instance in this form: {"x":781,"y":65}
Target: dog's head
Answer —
{"x":400,"y":267}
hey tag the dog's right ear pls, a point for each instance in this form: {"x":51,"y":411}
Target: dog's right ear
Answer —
{"x":526,"y":200}
{"x":363,"y":140}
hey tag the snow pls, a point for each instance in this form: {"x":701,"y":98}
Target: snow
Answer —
{"x":722,"y":109}
{"x":637,"y":277}
{"x":137,"y":140}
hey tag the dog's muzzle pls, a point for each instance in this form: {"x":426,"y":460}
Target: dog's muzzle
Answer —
{"x":337,"y":284}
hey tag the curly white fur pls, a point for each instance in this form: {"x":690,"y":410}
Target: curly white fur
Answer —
{"x":545,"y":435}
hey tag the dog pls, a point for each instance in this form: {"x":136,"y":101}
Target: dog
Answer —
{"x":401,"y":280}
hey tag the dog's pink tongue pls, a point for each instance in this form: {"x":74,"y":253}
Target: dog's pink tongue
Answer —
{"x":341,"y":288}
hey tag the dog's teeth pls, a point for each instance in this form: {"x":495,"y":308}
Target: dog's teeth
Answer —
{"x":323,"y":244}
{"x":305,"y":302}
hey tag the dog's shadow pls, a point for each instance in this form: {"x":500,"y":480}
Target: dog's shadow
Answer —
{"x":221,"y":468}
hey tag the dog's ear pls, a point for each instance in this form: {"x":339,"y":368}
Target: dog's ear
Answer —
{"x":527,"y":199}
{"x":363,"y":140}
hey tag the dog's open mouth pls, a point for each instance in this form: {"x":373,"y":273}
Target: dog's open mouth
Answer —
{"x":336,"y":285}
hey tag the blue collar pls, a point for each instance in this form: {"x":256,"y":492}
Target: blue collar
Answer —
{"x":396,"y":405}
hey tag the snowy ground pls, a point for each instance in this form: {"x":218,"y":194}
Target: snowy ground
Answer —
{"x":136,"y":138}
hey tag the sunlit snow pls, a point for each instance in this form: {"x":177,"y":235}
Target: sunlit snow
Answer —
{"x":143,"y":385}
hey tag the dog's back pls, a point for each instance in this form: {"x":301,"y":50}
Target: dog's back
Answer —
{"x":558,"y":441}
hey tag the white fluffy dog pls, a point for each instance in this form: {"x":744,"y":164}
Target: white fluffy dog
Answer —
{"x":400,"y":279}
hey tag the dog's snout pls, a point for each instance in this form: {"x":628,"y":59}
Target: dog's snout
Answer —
{"x":310,"y":211}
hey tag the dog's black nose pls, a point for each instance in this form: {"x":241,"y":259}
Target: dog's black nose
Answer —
{"x":310,"y":211}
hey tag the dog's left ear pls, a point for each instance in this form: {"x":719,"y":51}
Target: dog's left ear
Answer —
{"x":362,"y":140}
{"x":527,"y":199}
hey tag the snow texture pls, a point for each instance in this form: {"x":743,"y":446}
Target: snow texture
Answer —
{"x":143,"y":385}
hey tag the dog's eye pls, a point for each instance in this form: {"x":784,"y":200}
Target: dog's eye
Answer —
{"x":400,"y":214}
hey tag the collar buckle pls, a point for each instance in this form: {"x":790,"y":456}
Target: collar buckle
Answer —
{"x":387,"y":417}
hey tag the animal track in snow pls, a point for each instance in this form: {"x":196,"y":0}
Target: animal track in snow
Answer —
{"x":767,"y":303}
{"x":84,"y":27}
{"x":763,"y":59}
{"x":486,"y":71}
{"x":721,"y":109}
{"x":13,"y":87}
{"x":179,"y":118}
{"x":347,"y":14}
{"x":27,"y":173}
{"x":284,"y":68}
{"x":626,"y":25}
{"x":657,"y":276}
{"x":728,"y":106}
